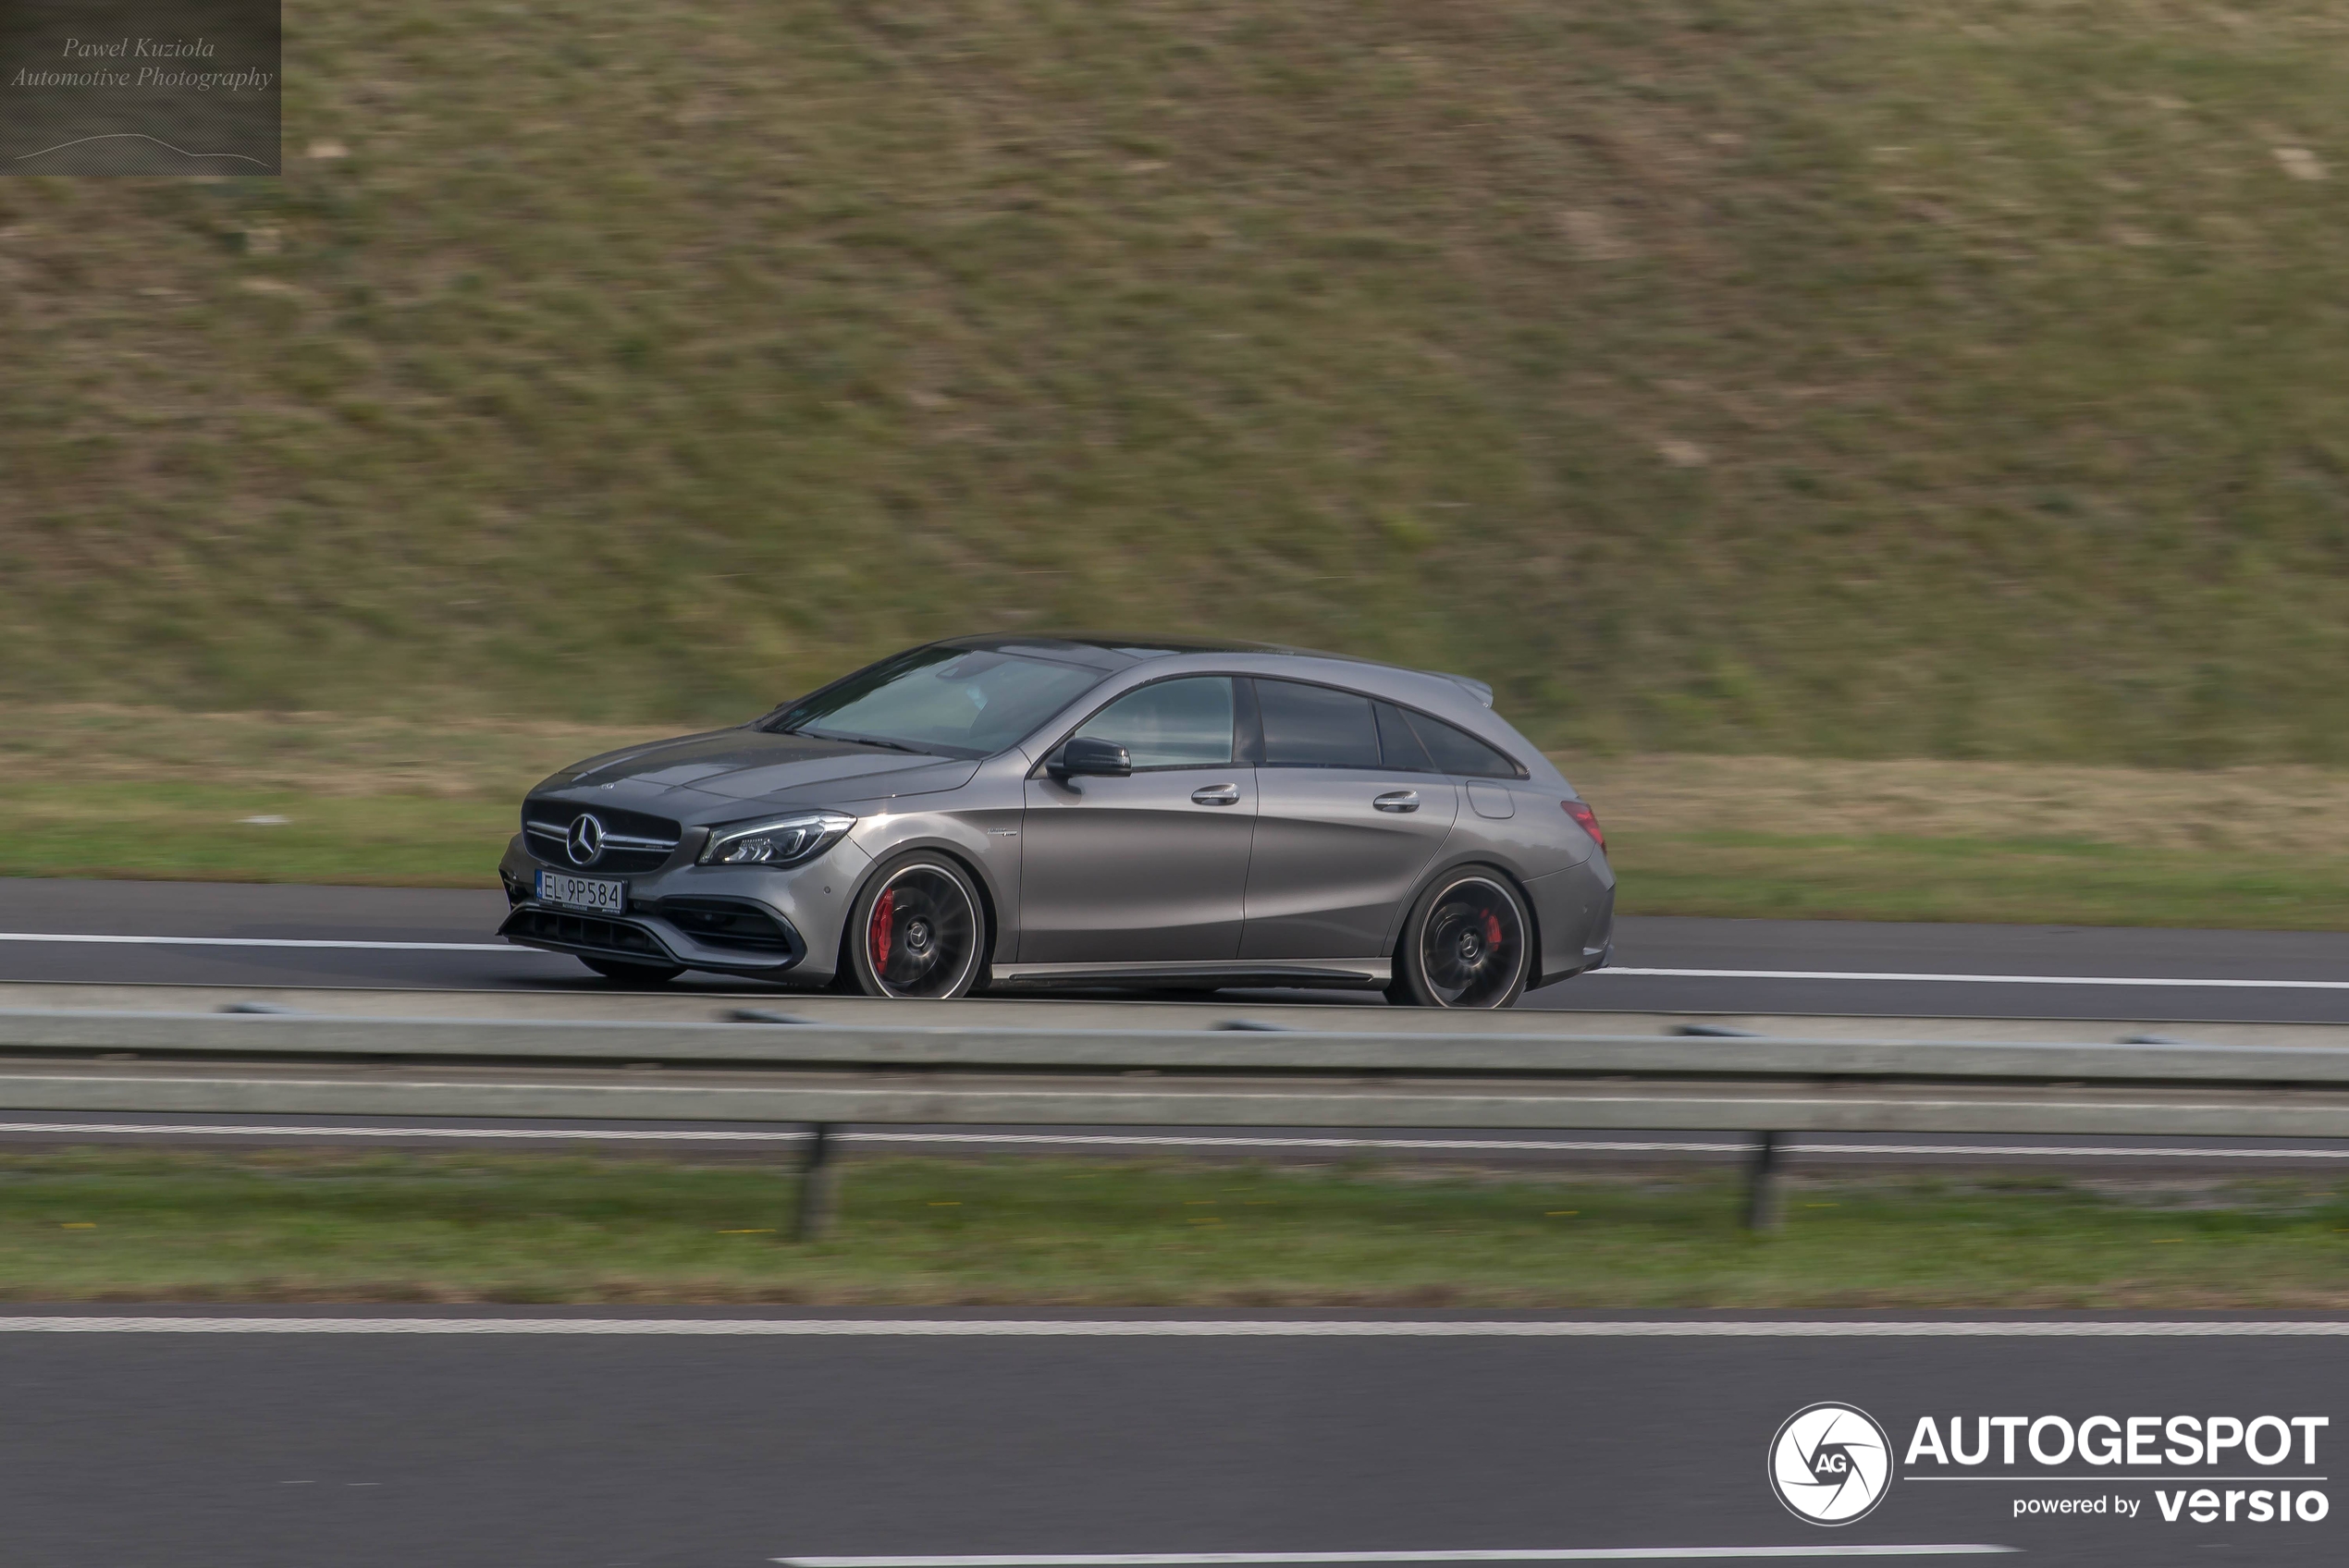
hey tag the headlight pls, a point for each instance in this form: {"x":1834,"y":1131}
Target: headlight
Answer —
{"x":775,"y":840}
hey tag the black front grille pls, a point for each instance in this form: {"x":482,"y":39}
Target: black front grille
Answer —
{"x":589,"y":931}
{"x":545,"y":827}
{"x":727,"y":922}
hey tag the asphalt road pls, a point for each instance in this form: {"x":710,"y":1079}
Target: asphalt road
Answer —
{"x":198,"y":933}
{"x":734,"y":1446}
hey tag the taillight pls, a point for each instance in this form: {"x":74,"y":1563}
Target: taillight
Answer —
{"x":1587,"y":820}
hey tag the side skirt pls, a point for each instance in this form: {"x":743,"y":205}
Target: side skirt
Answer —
{"x":1351,"y":973}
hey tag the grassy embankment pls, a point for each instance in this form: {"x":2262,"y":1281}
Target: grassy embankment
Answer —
{"x":1859,"y":378}
{"x":113,"y":792}
{"x":116,"y":1224}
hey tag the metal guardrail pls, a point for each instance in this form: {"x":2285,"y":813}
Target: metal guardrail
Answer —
{"x":828,"y":1075}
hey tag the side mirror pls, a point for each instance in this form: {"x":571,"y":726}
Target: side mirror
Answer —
{"x":1090,"y":759}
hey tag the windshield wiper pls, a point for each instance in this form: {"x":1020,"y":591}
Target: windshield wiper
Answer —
{"x":866,"y":741}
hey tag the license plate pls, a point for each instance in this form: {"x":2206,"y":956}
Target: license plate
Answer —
{"x":601,"y":894}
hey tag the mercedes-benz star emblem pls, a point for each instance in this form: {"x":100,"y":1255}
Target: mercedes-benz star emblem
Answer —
{"x":586,"y":839}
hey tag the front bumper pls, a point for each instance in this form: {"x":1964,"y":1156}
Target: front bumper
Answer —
{"x":750,"y":921}
{"x":640,"y":937}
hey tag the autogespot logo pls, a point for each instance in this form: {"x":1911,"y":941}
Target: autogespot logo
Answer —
{"x":1830,"y":1463}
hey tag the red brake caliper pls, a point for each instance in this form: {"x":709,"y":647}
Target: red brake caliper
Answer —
{"x":1492,"y":929}
{"x":884,"y":925}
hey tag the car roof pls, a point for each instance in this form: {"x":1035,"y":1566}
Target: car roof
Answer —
{"x":1099,"y":649}
{"x":1125,"y":650}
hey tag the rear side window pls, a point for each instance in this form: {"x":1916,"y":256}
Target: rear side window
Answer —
{"x":1315,"y":727}
{"x":1400,"y":747}
{"x":1456,"y":750}
{"x":1185,"y":723}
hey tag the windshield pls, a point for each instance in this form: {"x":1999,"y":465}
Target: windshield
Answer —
{"x":952,"y":702}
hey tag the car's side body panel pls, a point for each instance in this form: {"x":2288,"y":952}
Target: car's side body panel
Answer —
{"x":1146,"y":869}
{"x":1330,"y":866}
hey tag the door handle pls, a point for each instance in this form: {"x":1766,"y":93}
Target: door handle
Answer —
{"x":1217,"y":795}
{"x":1398,"y":799}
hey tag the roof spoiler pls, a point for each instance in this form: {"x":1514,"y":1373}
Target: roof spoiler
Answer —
{"x":1476,"y":688}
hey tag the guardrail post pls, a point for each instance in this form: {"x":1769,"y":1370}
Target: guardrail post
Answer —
{"x":1761,"y":1189}
{"x":816,"y":1175}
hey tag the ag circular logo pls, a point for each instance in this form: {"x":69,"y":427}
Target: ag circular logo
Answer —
{"x":1830,"y":1463}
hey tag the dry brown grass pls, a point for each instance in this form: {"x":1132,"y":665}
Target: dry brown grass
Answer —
{"x":310,"y":753}
{"x":2281,"y":810}
{"x":94,"y":790}
{"x":2291,"y":810}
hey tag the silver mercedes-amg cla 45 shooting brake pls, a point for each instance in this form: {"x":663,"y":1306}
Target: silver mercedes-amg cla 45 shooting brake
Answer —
{"x":1011,"y":812}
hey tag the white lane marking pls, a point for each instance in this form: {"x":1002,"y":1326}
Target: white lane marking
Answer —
{"x":2172,"y":981}
{"x":1177,"y":1329}
{"x":2081,"y":1152}
{"x":1560,"y":1145}
{"x":270,"y":942}
{"x":1538,"y":1554}
{"x":232,"y":1130}
{"x":1088,"y":1139}
{"x":2173,"y":1476}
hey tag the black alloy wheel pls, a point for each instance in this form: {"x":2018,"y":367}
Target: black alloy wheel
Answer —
{"x":1468,"y":944}
{"x":918,"y":930}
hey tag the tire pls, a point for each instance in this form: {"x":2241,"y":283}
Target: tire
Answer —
{"x":1469,"y":943}
{"x":635,"y":974}
{"x":918,"y":930}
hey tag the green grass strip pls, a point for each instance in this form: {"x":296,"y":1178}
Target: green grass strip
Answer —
{"x":147,"y":1225}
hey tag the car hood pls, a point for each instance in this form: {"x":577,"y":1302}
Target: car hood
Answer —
{"x":753,"y":765}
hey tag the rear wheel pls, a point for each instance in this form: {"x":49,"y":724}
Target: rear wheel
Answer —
{"x":635,"y":974}
{"x":1468,"y":944}
{"x":918,"y":930}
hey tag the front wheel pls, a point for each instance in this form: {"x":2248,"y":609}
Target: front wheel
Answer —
{"x":1468,"y":944}
{"x":918,"y":930}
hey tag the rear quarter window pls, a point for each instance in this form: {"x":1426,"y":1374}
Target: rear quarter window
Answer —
{"x":1456,"y":750}
{"x":1399,"y":746}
